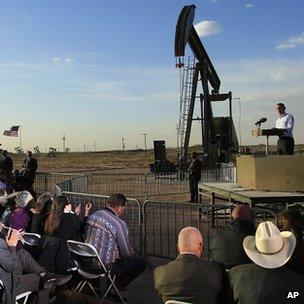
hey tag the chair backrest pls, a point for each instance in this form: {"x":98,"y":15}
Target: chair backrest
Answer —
{"x":176,"y":302}
{"x":82,"y":249}
{"x":1,"y":289}
{"x":87,"y":254}
{"x":31,"y":239}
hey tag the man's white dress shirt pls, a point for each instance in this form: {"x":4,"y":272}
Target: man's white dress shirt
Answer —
{"x":285,"y":121}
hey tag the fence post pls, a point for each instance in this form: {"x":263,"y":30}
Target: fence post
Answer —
{"x":46,"y":182}
{"x":146,"y":186}
{"x":89,"y":183}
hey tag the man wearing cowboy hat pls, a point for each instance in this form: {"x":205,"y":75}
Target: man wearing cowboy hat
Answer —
{"x":267,"y":280}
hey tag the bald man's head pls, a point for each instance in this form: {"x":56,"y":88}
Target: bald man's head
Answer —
{"x":190,"y":240}
{"x":243,"y":212}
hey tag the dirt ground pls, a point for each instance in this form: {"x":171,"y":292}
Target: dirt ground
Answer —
{"x":130,"y":161}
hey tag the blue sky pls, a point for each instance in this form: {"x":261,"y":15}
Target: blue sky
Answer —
{"x":102,"y":70}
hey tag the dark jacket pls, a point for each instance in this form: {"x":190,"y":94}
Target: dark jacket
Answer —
{"x":296,"y":262}
{"x":227,"y":246}
{"x":7,"y":164}
{"x":38,"y":222}
{"x":31,"y":166}
{"x":10,"y":269}
{"x":252,"y":284}
{"x":195,"y":169}
{"x":70,"y":228}
{"x":189,"y":279}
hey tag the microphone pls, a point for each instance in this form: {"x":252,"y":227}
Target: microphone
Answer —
{"x":262,"y":120}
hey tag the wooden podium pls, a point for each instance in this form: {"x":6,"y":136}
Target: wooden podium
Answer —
{"x":267,"y":132}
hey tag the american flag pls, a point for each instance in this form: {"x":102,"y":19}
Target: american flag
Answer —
{"x":13,"y":131}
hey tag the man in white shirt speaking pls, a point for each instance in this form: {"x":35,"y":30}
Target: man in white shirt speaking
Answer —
{"x":286,"y":122}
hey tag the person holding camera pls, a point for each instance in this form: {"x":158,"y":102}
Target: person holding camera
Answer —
{"x":19,"y":272}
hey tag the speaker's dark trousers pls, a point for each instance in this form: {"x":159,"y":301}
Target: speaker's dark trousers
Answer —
{"x":193,"y":182}
{"x":286,"y":145}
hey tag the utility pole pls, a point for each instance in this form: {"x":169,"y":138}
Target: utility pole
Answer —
{"x":123,"y":143}
{"x":145,"y":137}
{"x":94,"y":144}
{"x":63,"y":142}
{"x":177,"y":137}
{"x":240,"y":123}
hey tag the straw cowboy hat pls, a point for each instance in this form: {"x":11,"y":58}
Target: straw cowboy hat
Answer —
{"x":269,"y":248}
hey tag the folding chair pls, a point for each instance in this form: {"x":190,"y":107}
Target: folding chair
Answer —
{"x":23,"y":296}
{"x":31,"y":239}
{"x":83,"y":253}
{"x":176,"y":302}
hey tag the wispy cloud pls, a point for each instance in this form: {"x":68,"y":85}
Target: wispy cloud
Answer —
{"x":66,"y":59}
{"x":214,"y":1}
{"x":261,"y":83}
{"x":249,"y":5}
{"x":69,"y":59}
{"x":291,"y":43}
{"x":208,"y":27}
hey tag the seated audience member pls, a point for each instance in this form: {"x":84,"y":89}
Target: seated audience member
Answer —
{"x":267,"y":280}
{"x":109,"y":234}
{"x":13,"y":265}
{"x":62,"y":222}
{"x":293,"y":220}
{"x":9,"y":207}
{"x":41,"y":212}
{"x":189,"y":278}
{"x":227,"y":246}
{"x":21,"y":217}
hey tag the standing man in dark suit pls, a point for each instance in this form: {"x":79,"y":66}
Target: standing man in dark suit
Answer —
{"x":30,"y":165}
{"x":7,"y":168}
{"x":195,"y":171}
{"x":189,"y":278}
{"x":7,"y":163}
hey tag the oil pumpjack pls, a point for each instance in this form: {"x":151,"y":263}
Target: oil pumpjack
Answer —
{"x":218,"y":133}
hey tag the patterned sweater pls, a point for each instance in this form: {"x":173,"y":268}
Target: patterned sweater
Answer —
{"x":109,"y":235}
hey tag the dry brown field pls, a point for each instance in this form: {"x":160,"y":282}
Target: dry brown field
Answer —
{"x":131,"y":161}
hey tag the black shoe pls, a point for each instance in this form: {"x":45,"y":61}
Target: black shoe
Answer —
{"x":55,"y":279}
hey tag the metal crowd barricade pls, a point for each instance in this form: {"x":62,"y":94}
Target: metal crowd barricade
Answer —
{"x":163,"y":220}
{"x":153,"y":184}
{"x":228,"y":173}
{"x":132,"y":214}
{"x":45,"y":181}
{"x":166,"y":183}
{"x":132,"y":185}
